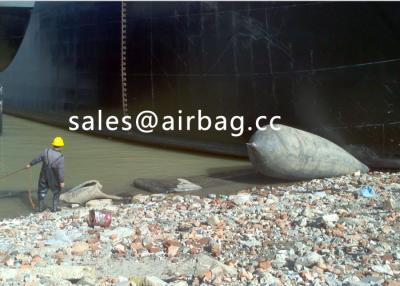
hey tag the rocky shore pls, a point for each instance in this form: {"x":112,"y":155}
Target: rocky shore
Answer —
{"x":321,"y":232}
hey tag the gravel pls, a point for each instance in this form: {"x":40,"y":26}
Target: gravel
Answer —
{"x":319,"y":232}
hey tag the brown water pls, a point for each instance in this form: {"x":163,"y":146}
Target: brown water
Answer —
{"x":115,"y":164}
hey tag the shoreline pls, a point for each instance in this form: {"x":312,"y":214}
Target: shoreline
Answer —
{"x":321,"y":232}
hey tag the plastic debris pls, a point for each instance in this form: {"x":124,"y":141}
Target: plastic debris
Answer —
{"x":367,"y":192}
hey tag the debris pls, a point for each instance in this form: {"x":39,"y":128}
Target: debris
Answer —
{"x":186,"y":186}
{"x":310,"y":259}
{"x":98,"y":204}
{"x":213,"y":220}
{"x":205,"y":262}
{"x":101,"y":218}
{"x":389,"y":204}
{"x":367,"y":192}
{"x":277,"y":235}
{"x":330,"y":219}
{"x":85,"y":192}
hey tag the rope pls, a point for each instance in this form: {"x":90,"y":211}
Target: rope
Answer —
{"x":30,"y":187}
{"x":30,"y":183}
{"x":124,"y":87}
{"x":12,"y":173}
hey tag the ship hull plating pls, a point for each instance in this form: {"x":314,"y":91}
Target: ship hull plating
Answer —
{"x":328,"y":68}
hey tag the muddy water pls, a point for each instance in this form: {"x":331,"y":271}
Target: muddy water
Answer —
{"x":115,"y":164}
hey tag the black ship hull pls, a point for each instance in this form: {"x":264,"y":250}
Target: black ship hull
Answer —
{"x":329,"y":68}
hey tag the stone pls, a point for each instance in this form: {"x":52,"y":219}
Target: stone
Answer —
{"x":330,"y":219}
{"x":205,"y":262}
{"x":9,"y":261}
{"x":240,"y":199}
{"x":179,"y":283}
{"x":309,"y":260}
{"x":213,"y":220}
{"x":119,"y":248}
{"x":139,"y":199}
{"x":173,"y":250}
{"x":153,"y":281}
{"x":117,"y":233}
{"x":267,"y":278}
{"x":280,"y":260}
{"x":383,"y":269}
{"x":306,"y":276}
{"x":36,"y":259}
{"x":307,"y":212}
{"x":79,"y":248}
{"x":64,"y":272}
{"x":264,"y":265}
{"x":389,"y":204}
{"x":276,"y":237}
{"x":87,"y":281}
{"x":99,"y":204}
{"x":216,"y":248}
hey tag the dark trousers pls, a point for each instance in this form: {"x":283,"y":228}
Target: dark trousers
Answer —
{"x":42,"y":193}
{"x":43,"y":189}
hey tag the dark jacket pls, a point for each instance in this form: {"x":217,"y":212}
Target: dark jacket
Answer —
{"x":52,"y":172}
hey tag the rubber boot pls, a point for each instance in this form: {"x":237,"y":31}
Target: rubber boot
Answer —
{"x":56,"y":201}
{"x":41,"y":196}
{"x":40,"y":207}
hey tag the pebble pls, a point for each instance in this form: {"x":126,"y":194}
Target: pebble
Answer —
{"x":313,"y":233}
{"x":309,"y":259}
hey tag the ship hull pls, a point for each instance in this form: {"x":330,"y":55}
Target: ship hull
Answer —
{"x":321,"y":67}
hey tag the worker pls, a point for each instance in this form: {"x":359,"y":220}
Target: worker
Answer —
{"x":52,"y":173}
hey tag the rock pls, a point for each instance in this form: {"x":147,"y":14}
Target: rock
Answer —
{"x":9,"y":261}
{"x":383,"y":269}
{"x":79,"y":248}
{"x":389,"y":204}
{"x":331,"y":279}
{"x":273,"y":238}
{"x":86,"y":281}
{"x":186,"y":186}
{"x":36,"y":259}
{"x":213,"y":220}
{"x":264,"y":265}
{"x":179,"y":283}
{"x":371,"y":280}
{"x":117,"y":233}
{"x":63,"y":237}
{"x":267,"y":278}
{"x":139,"y":199}
{"x":153,"y":281}
{"x":280,"y":259}
{"x":251,"y":242}
{"x":216,"y":248}
{"x":172,"y":247}
{"x":240,"y":199}
{"x":64,"y":272}
{"x":307,"y":212}
{"x":99,"y":204}
{"x":205,"y":262}
{"x":310,"y":259}
{"x":119,"y":248}
{"x":330,"y":219}
{"x":306,"y":276}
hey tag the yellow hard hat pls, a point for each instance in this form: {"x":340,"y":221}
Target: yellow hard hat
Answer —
{"x":58,"y":142}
